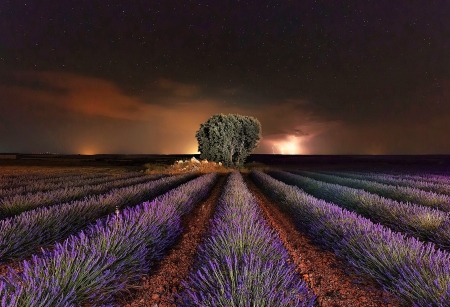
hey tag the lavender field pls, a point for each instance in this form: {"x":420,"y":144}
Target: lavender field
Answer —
{"x":100,"y":239}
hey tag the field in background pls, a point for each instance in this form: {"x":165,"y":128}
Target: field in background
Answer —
{"x":331,"y":215}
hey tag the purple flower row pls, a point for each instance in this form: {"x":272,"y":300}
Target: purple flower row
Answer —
{"x":431,"y":177}
{"x":441,"y":187}
{"x":103,"y":260}
{"x":403,"y":194}
{"x":242,"y":262}
{"x":17,"y":204}
{"x":416,"y":272}
{"x":427,"y":177}
{"x":43,"y":186}
{"x":14,"y":181}
{"x":22,"y":234}
{"x":424,"y":223}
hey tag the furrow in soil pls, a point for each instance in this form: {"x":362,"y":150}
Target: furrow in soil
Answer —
{"x":161,"y":285}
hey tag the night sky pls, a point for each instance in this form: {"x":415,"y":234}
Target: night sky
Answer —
{"x":323,"y":77}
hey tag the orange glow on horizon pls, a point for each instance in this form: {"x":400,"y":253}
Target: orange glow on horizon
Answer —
{"x":88,"y":151}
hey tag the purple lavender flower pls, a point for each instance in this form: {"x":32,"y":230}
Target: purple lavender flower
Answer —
{"x":242,"y":262}
{"x":102,"y":260}
{"x":424,"y":223}
{"x":418,"y":273}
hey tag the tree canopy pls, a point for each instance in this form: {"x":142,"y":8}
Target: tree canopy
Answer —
{"x":228,"y":138}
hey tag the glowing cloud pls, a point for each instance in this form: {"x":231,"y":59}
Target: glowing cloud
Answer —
{"x":292,"y":145}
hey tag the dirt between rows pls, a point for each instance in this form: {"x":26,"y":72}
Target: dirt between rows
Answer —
{"x":159,"y":288}
{"x":334,"y":282}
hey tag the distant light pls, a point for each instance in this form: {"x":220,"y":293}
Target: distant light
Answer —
{"x":88,"y":150}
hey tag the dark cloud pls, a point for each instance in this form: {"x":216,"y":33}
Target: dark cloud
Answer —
{"x":321,"y":76}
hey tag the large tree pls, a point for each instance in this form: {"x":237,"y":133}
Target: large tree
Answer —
{"x":228,"y":138}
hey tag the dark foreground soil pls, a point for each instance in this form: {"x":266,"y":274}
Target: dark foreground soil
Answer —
{"x":334,"y":282}
{"x":159,"y":288}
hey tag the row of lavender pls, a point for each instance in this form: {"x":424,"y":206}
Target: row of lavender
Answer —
{"x":427,"y":177}
{"x":442,"y":186}
{"x":417,"y":272}
{"x":42,"y":185}
{"x":242,"y":262}
{"x":424,"y":223}
{"x":22,"y":234}
{"x":399,"y":193}
{"x":103,"y":260}
{"x":14,"y":181}
{"x":13,"y":205}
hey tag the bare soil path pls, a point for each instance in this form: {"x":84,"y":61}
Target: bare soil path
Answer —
{"x":334,"y":282}
{"x":159,"y":288}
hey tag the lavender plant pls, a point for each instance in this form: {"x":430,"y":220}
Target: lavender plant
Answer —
{"x":406,"y":194}
{"x":101,"y":261}
{"x":247,"y":281}
{"x":424,"y":223}
{"x":17,"y":204}
{"x":425,"y":177}
{"x":430,"y":177}
{"x":22,"y":234}
{"x":242,"y":262}
{"x":436,"y":187}
{"x":417,"y":272}
{"x":16,"y":181}
{"x":43,"y":186}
